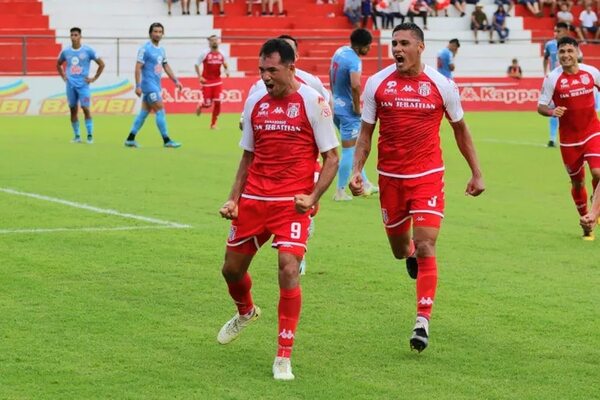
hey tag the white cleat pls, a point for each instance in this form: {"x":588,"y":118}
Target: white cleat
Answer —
{"x":282,"y":369}
{"x":370,"y":189}
{"x":232,"y":328}
{"x":341,"y":195}
{"x":420,"y":336}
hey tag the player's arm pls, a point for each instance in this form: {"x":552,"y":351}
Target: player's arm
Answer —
{"x":138,"y":78}
{"x":59,"y":67}
{"x":545,"y":105}
{"x":230,"y":208}
{"x":464,"y":141}
{"x":355,"y":85}
{"x":304,"y":203}
{"x":226,"y":68}
{"x":171,"y":75}
{"x":546,"y":61}
{"x":198,"y":69}
{"x":361,"y":154}
{"x":101,"y":66}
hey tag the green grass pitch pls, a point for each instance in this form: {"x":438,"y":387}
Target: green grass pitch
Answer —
{"x":88,"y":311}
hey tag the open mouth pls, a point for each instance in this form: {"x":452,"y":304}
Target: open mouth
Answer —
{"x":269,"y":86}
{"x":399,"y":59}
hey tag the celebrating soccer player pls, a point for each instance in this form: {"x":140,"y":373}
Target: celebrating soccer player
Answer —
{"x":208,"y":69}
{"x":410,"y":99}
{"x":151,"y":60}
{"x":568,"y":93}
{"x":78,"y":58}
{"x":344,"y":78}
{"x":286,"y":125}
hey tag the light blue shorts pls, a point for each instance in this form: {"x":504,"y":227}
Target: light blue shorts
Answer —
{"x":151,"y":97}
{"x":81,"y":95}
{"x":349,"y":127}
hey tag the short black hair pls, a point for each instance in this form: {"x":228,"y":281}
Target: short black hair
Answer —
{"x":454,"y":41}
{"x":361,"y":37}
{"x":566,"y":40}
{"x":212,"y":36}
{"x":75,"y":29}
{"x":285,"y":50}
{"x":410,"y":26}
{"x":561,"y":25}
{"x":156,"y":25}
{"x":288,"y":37}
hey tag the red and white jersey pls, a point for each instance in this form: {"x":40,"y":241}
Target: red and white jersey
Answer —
{"x":410,"y":110}
{"x":211,"y":62}
{"x":286,"y":135}
{"x":302,"y":77}
{"x":576,"y":93}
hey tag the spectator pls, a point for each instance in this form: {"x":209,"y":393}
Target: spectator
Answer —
{"x":365,"y":8}
{"x":185,"y":6}
{"x":506,"y":3}
{"x":569,"y":4}
{"x":551,"y":3}
{"x":479,"y":22}
{"x":499,"y":24}
{"x":514,"y":70}
{"x":441,"y":5}
{"x":419,"y":8}
{"x":459,"y":5}
{"x":221,"y":7}
{"x":352,"y":11}
{"x":279,"y":7}
{"x":387,"y":19}
{"x":589,"y":22}
{"x":263,"y":6}
{"x":533,"y":7}
{"x":396,"y":8}
{"x":567,"y":18}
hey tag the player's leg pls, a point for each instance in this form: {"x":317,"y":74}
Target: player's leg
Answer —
{"x":553,"y":121}
{"x":161,"y":121}
{"x":216,"y":99}
{"x":85,"y":100}
{"x":169,"y":5}
{"x":209,"y":5}
{"x":349,"y":129}
{"x":592,"y":156}
{"x":138,"y":122}
{"x":573,"y":160}
{"x":73,"y":101}
{"x":206,"y":99}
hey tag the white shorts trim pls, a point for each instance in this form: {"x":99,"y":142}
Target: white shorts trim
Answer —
{"x":244,"y":241}
{"x":211,"y":84}
{"x":431,"y":171}
{"x":398,"y":223}
{"x":426,"y":212}
{"x":580,"y":143}
{"x":277,"y":244}
{"x":252,"y":197}
{"x":591,"y":155}
{"x":576,"y":172}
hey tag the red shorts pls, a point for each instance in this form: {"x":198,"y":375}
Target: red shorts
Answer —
{"x":574,"y":156}
{"x":211,"y":93}
{"x":420,"y":199}
{"x":258,"y":219}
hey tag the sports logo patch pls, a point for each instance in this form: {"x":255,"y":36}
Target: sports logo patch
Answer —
{"x":585,"y":79}
{"x":384,"y":214}
{"x":424,"y":88}
{"x":232,"y":233}
{"x":293,"y":110}
{"x":325,"y":109}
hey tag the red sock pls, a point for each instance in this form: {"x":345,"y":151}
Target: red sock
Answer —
{"x":290,"y":303}
{"x":580,"y":198}
{"x":426,"y":285}
{"x":216,"y":111}
{"x":241,"y":295}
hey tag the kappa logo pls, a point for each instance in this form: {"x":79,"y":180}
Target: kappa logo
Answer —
{"x":576,"y":82}
{"x":424,"y":88}
{"x":278,"y":110}
{"x":286,"y":334}
{"x":420,"y":218}
{"x":408,"y":88}
{"x":425,"y":301}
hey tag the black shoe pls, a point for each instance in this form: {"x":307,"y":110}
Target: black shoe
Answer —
{"x":551,"y":143}
{"x":419,"y":339}
{"x":412,"y":267}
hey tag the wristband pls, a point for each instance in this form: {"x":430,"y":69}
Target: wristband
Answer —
{"x":137,"y":86}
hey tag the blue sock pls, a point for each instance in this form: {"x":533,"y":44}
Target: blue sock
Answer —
{"x":553,"y":128}
{"x":75,"y":126}
{"x":139,"y":121}
{"x":345,"y":166}
{"x":161,"y":122}
{"x":89,"y":126}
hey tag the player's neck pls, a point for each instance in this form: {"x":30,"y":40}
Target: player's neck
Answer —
{"x":572,"y":70}
{"x":155,"y":44}
{"x":76,"y":46}
{"x":414,"y":71}
{"x":290,"y":89}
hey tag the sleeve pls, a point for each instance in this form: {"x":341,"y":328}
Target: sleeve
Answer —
{"x":596,"y":75}
{"x":547,"y":92}
{"x":356,"y":65}
{"x":247,"y":140}
{"x":141,"y":55}
{"x":321,"y":121}
{"x":546,"y":51}
{"x":201,"y":57}
{"x":92,"y":54}
{"x":61,"y":57}
{"x":316,"y":84}
{"x":369,"y":112}
{"x":164,"y":54}
{"x":454,"y":111}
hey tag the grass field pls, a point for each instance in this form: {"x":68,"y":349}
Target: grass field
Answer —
{"x":96,"y":305}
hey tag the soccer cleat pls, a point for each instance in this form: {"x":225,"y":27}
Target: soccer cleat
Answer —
{"x":420,"y":336}
{"x":214,"y":127}
{"x":370,"y":189}
{"x":588,"y":236}
{"x":199,"y":110}
{"x":412,"y":267}
{"x":232,"y":328}
{"x":551,"y":143}
{"x":302,"y":268}
{"x":341,"y":195}
{"x":282,"y":369}
{"x":76,"y":139}
{"x":172,"y":144}
{"x":131,"y":143}
{"x":90,"y":139}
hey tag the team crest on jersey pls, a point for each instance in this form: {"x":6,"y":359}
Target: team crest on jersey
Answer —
{"x":293,"y":110}
{"x":585,"y":79}
{"x":424,"y":88}
{"x":384,"y":214}
{"x":75,"y":61}
{"x":232,"y":233}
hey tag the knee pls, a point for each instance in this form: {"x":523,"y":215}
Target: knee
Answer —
{"x":425,"y":247}
{"x":401,"y":252}
{"x":288,"y":271}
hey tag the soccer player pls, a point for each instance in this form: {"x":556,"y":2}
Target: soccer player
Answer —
{"x":286,"y":126}
{"x":78,"y":58}
{"x":445,"y":58}
{"x":409,"y":99}
{"x":568,"y":94}
{"x":151,"y":60}
{"x":589,"y":220}
{"x":344,"y":78}
{"x":208,"y":69}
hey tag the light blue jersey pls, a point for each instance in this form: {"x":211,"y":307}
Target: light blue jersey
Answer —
{"x":551,"y":53}
{"x":78,"y":64}
{"x":344,"y":62}
{"x":153,"y":59}
{"x":446,"y":59}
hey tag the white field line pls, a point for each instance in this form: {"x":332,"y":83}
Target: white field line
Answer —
{"x":91,"y":229}
{"x":514,"y":142}
{"x":95,"y":209}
